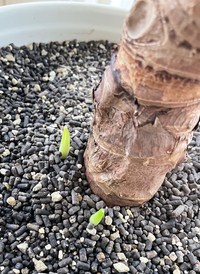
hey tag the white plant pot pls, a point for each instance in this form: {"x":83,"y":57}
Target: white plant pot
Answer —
{"x":22,"y":24}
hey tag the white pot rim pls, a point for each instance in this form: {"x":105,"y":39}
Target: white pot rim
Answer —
{"x":63,"y":3}
{"x":25,"y":23}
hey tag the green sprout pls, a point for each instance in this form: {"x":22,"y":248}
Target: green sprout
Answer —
{"x":65,"y":143}
{"x":97,"y":217}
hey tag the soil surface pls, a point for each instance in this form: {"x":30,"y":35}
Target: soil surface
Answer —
{"x":46,"y":202}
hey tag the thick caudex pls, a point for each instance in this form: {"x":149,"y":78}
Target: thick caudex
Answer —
{"x":147,"y":103}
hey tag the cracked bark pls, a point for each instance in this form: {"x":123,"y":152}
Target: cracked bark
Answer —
{"x":147,"y":103}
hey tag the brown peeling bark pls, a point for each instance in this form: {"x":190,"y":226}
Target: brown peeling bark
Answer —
{"x":147,"y":103}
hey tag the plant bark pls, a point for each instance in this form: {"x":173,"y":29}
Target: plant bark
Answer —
{"x":147,"y":103}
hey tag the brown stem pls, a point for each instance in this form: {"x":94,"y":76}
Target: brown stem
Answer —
{"x":147,"y":103}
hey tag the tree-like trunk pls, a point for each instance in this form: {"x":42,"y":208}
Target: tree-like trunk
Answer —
{"x":147,"y":103}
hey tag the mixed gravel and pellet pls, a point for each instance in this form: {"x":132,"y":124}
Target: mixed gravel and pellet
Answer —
{"x":46,"y":202}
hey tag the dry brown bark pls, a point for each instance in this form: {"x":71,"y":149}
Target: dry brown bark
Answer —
{"x":147,"y":103}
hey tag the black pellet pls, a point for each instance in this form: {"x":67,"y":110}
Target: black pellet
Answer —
{"x":167,"y":225}
{"x":14,"y":245}
{"x":42,"y":211}
{"x":155,"y":220}
{"x":75,"y":123}
{"x":46,"y":220}
{"x":82,"y":265}
{"x":22,"y":236}
{"x":52,"y":240}
{"x":109,"y":247}
{"x":1,"y":247}
{"x":60,"y":119}
{"x":26,"y":121}
{"x":83,"y":255}
{"x":89,"y":242}
{"x":164,"y":249}
{"x":20,"y":231}
{"x":24,"y":186}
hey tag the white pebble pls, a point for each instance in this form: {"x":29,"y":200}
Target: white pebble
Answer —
{"x":144,"y":260}
{"x":23,"y":247}
{"x":41,"y":230}
{"x":62,"y":109}
{"x":173,"y":256}
{"x":37,"y":187}
{"x":39,"y":265}
{"x":8,"y":116}
{"x":60,"y":255}
{"x":19,"y":109}
{"x":48,"y":247}
{"x":14,"y":88}
{"x":120,"y":267}
{"x":176,"y":271}
{"x":37,"y":176}
{"x":3,"y":171}
{"x":151,"y":237}
{"x":129,"y":212}
{"x":91,"y":231}
{"x":14,"y":81}
{"x":52,"y":73}
{"x":25,"y":270}
{"x":7,"y":185}
{"x":102,"y":46}
{"x":72,"y":219}
{"x":10,"y":58}
{"x":176,"y":240}
{"x":108,"y":220}
{"x":15,"y":132}
{"x":80,"y":198}
{"x":195,"y":239}
{"x":92,"y":69}
{"x":79,"y":166}
{"x":114,"y":236}
{"x":16,"y":271}
{"x":37,"y":87}
{"x":71,"y":149}
{"x":30,"y":46}
{"x":44,"y":52}
{"x":6,"y":152}
{"x":121,"y":256}
{"x":45,"y":78}
{"x":11,"y":201}
{"x":17,"y":122}
{"x":56,"y":197}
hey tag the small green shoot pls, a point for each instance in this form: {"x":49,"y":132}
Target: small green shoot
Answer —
{"x":65,"y":143}
{"x":97,"y":217}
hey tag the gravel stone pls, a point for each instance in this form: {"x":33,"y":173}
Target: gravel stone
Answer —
{"x":121,"y":267}
{"x":56,"y":197}
{"x":121,"y":256}
{"x":11,"y":201}
{"x":108,"y":220}
{"x":114,"y":236}
{"x":23,"y":247}
{"x":39,"y":265}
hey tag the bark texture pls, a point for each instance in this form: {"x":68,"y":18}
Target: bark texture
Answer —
{"x":147,"y":103}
